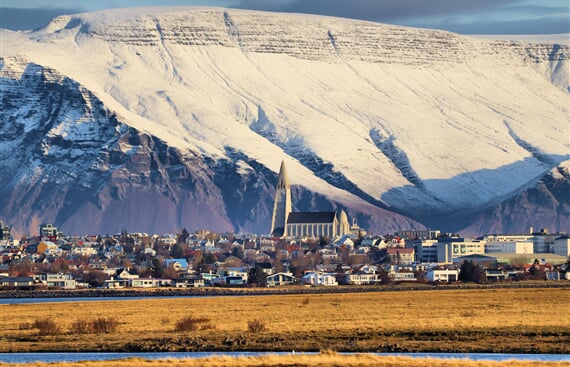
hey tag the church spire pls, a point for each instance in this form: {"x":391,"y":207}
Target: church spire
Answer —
{"x":283,"y":180}
{"x":282,"y":204}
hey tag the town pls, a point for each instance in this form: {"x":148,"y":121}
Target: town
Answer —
{"x":205,"y":259}
{"x":308,"y":248}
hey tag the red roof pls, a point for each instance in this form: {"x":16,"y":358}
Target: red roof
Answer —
{"x":395,"y":250}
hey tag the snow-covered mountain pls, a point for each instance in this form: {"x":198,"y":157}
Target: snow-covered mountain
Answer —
{"x":156,"y":119}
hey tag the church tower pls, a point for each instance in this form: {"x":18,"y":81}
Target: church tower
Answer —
{"x":282,"y":204}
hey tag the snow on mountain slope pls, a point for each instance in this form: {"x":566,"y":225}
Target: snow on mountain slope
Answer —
{"x":548,"y":200}
{"x":427,"y":123}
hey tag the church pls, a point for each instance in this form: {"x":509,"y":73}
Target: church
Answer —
{"x":286,"y":223}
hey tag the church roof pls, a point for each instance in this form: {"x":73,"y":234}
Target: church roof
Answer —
{"x":311,"y":217}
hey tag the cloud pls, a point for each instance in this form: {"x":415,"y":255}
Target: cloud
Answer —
{"x":461,"y":16}
{"x":376,"y":9}
{"x":546,"y":25}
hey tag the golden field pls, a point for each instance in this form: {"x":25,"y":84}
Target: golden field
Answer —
{"x":483,"y":320}
{"x":321,"y":360}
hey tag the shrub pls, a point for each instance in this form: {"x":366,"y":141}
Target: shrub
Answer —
{"x":82,"y":327}
{"x":191,"y":323}
{"x":305,"y":301}
{"x":98,"y":326}
{"x":256,"y":326}
{"x":47,"y":327}
{"x":104,"y":325}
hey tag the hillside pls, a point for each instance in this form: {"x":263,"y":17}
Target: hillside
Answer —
{"x":160,"y":118}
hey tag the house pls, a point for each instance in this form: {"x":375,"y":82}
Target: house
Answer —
{"x":64,"y":281}
{"x":399,"y":255}
{"x":556,"y":275}
{"x":279,"y":279}
{"x":48,"y":248}
{"x":144,"y":283}
{"x":402,"y":276}
{"x":442,"y":275}
{"x":16,"y":282}
{"x":360,"y":277}
{"x":125,"y":273}
{"x":194,"y":281}
{"x":176,"y":264}
{"x":319,"y":279}
{"x":231,"y":276}
{"x":115,"y":283}
{"x":266,"y":267}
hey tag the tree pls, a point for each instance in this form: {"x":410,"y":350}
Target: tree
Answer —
{"x":94,"y":277}
{"x":177,"y":252}
{"x":258,"y":276}
{"x":170,"y":272}
{"x":183,"y":237}
{"x":470,"y":272}
{"x":237,"y":252}
{"x":156,"y":268}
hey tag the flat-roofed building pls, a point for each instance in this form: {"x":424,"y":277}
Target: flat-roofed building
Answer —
{"x":425,"y":250}
{"x":509,"y":247}
{"x":451,"y":248}
{"x":561,"y":246}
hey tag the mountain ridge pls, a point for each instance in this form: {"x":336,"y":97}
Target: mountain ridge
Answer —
{"x":218,"y":81}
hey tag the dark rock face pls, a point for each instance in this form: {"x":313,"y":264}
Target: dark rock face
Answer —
{"x":69,"y":161}
{"x":545,"y":205}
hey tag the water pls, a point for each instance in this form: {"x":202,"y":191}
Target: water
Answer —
{"x":18,"y":301}
{"x":26,"y":358}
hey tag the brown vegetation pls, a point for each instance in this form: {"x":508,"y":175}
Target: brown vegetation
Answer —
{"x":256,"y":326}
{"x":191,"y":323}
{"x":492,"y":320}
{"x":300,"y":360}
{"x":46,"y":326}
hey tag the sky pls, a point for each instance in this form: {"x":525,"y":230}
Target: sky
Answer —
{"x":460,"y":16}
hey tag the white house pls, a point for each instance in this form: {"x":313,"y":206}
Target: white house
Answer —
{"x":442,"y":275}
{"x":318,"y":279}
{"x":279,"y":279}
{"x":367,"y":274}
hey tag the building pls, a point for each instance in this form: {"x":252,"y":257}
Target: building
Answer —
{"x":59,"y":280}
{"x":285,"y":222}
{"x":426,"y":250}
{"x":561,"y":246}
{"x":364,"y":275}
{"x":319,"y":279}
{"x":442,"y":275}
{"x":48,"y":231}
{"x":4,"y":232}
{"x":317,"y":224}
{"x":281,"y":204}
{"x":449,"y":249}
{"x":279,"y":279}
{"x":413,"y":234}
{"x":509,"y":247}
{"x":400,"y":255}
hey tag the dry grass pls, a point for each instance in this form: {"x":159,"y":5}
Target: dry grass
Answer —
{"x":320,"y":360}
{"x":498,"y":320}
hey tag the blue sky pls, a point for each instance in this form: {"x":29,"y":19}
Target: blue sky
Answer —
{"x":461,"y":16}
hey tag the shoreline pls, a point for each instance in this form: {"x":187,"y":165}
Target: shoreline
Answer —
{"x":250,"y":291}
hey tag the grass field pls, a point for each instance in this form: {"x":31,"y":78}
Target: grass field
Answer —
{"x":321,"y":360}
{"x":492,"y":320}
